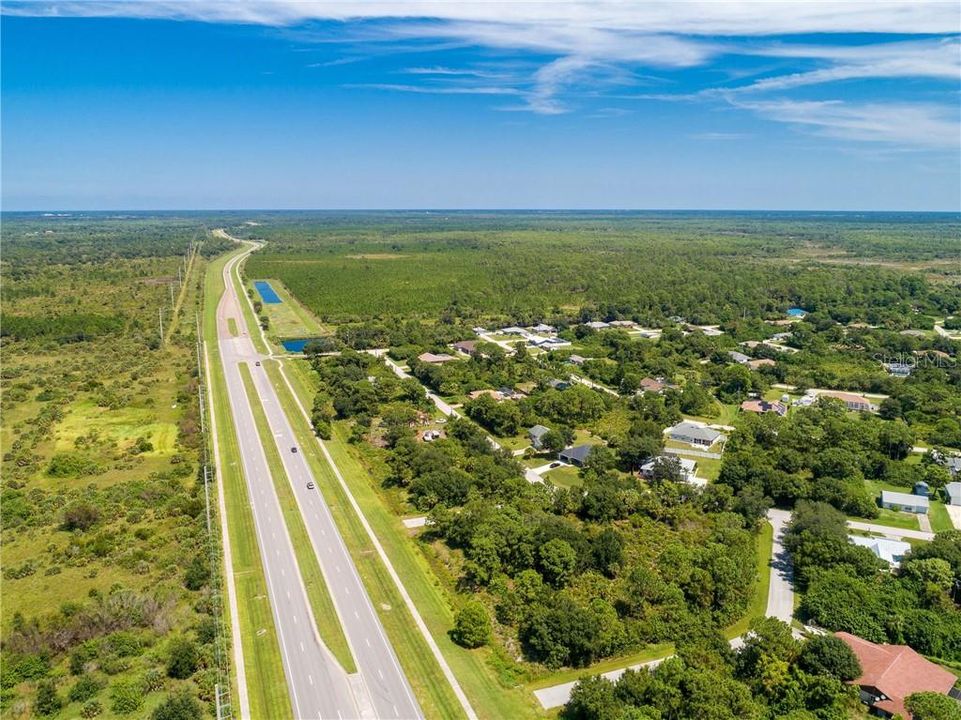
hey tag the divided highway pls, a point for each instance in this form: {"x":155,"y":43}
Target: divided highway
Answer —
{"x":318,"y":685}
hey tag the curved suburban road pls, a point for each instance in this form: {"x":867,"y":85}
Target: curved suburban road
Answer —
{"x":318,"y":685}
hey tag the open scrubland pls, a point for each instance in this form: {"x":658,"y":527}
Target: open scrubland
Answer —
{"x":108,"y":603}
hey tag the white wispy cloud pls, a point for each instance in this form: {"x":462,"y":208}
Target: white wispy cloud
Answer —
{"x":916,"y":124}
{"x":593,"y":47}
{"x":663,"y":16}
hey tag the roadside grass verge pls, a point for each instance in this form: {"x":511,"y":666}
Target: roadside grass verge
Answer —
{"x":762,"y":585}
{"x":265,"y":680}
{"x":321,"y":604}
{"x":475,"y":670}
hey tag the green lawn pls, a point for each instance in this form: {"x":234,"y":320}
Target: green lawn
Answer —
{"x":325,"y":614}
{"x":940,"y":520}
{"x":890,"y":518}
{"x":265,"y":680}
{"x":493,"y":692}
{"x":565,"y":477}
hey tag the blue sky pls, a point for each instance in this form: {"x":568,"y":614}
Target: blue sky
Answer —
{"x":295,"y":104}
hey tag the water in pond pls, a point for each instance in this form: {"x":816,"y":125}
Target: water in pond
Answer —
{"x":296,"y":345}
{"x":267,"y":292}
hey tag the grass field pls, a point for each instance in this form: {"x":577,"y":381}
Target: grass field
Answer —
{"x":478,"y":671}
{"x":265,"y":679}
{"x":288,"y":318}
{"x":325,"y":614}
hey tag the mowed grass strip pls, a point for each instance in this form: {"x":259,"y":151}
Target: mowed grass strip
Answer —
{"x":253,"y":324}
{"x":265,"y":680}
{"x":325,"y":614}
{"x":431,"y":688}
{"x":474,"y":669}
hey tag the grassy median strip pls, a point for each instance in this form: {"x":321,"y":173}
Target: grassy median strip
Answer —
{"x":325,"y":614}
{"x":265,"y":680}
{"x":473,"y":669}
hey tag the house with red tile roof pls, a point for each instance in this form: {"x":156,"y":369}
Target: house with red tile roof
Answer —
{"x":889,"y":673}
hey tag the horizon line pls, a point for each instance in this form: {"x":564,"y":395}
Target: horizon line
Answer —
{"x":956,"y":211}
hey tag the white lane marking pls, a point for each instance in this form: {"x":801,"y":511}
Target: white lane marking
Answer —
{"x":395,"y":710}
{"x":367,"y":640}
{"x":311,"y":678}
{"x":295,"y":619}
{"x":288,"y":594}
{"x":356,"y":615}
{"x":380,"y":674}
{"x":338,"y":568}
{"x":301,"y":644}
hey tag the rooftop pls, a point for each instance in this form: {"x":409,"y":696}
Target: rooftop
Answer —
{"x":897,"y":671}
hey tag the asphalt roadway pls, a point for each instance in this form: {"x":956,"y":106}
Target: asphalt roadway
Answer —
{"x":319,"y":687}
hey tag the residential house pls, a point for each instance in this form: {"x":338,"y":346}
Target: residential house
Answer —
{"x":474,"y":394}
{"x":435,"y":359}
{"x":891,"y":551}
{"x":653,"y":386}
{"x":543,"y":328}
{"x":763,"y":406}
{"x":852,"y":401}
{"x":953,"y":463}
{"x":514,"y":330}
{"x":559,"y":384}
{"x":479,"y":330}
{"x":598,"y":325}
{"x":796,"y":312}
{"x":760,"y":362}
{"x":750,"y":344}
{"x":576,"y":455}
{"x":952,"y":493}
{"x":536,"y":435}
{"x":904,"y":502}
{"x":913,"y":333}
{"x":898,"y":369}
{"x":622,"y":323}
{"x":694,"y":433}
{"x":468,"y":347}
{"x":577,"y":360}
{"x":687,"y":467}
{"x":889,"y":673}
{"x":739,"y":357}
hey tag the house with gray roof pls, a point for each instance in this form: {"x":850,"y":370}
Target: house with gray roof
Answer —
{"x":576,"y":455}
{"x":904,"y":502}
{"x":739,"y":357}
{"x":952,"y":493}
{"x":694,"y":433}
{"x":536,"y":435}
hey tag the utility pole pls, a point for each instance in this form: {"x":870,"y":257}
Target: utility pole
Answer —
{"x":171,"y":286}
{"x":161,"y":311}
